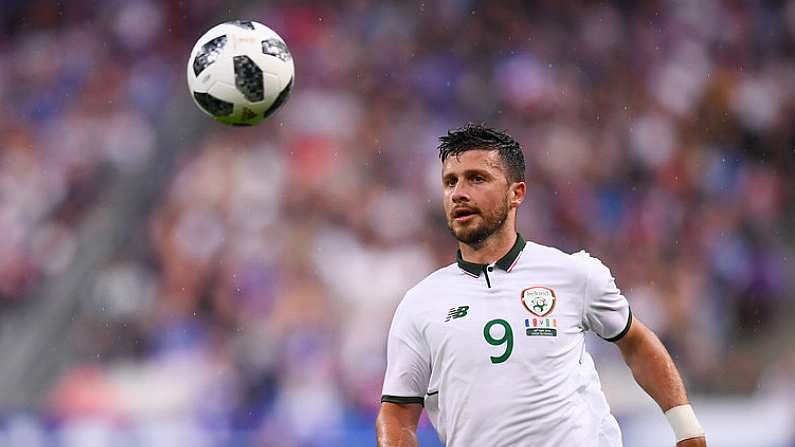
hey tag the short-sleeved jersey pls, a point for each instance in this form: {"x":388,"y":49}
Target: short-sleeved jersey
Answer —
{"x":496,"y":353}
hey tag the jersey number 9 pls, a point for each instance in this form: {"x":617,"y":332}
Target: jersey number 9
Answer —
{"x":506,"y":339}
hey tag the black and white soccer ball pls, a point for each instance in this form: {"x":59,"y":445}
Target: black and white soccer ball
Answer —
{"x":240,"y":72}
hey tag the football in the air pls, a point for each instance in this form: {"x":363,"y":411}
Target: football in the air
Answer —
{"x":240,"y":72}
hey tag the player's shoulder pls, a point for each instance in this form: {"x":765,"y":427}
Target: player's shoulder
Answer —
{"x":579,"y":263}
{"x":431,"y":284}
{"x":439,"y":278}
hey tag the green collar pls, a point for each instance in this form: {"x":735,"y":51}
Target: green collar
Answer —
{"x":504,"y":263}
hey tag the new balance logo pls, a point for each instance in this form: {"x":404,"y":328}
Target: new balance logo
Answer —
{"x":457,"y":312}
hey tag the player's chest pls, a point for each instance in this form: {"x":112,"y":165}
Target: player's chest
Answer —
{"x":527,"y":322}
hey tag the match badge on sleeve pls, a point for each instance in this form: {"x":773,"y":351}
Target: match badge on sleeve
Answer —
{"x":538,"y":300}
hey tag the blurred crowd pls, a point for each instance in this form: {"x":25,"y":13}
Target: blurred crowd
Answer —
{"x":659,"y":137}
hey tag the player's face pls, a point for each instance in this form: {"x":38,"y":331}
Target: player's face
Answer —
{"x":476,"y":195}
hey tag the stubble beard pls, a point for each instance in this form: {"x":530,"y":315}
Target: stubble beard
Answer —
{"x":491,"y":223}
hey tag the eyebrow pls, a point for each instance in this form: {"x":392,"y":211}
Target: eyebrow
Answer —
{"x":469,"y":172}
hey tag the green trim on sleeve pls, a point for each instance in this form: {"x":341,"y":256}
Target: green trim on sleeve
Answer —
{"x":402,"y":400}
{"x":624,"y":332}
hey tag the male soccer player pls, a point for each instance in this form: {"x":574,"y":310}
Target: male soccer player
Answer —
{"x":493,"y":346}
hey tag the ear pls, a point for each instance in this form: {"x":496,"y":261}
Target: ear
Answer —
{"x":516,"y":193}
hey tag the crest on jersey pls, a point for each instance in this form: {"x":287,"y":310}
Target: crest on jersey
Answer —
{"x":538,"y":300}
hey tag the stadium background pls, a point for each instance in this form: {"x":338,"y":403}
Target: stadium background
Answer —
{"x":165,"y":280}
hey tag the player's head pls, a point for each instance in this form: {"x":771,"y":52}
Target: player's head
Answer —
{"x":483,"y":181}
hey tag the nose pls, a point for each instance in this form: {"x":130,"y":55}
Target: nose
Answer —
{"x":460,"y":193}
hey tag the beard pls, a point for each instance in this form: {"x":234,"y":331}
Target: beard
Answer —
{"x":475,"y":234}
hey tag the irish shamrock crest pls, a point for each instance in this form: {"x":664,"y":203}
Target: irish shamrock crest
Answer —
{"x":538,"y":300}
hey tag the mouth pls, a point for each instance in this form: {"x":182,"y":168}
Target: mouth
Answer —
{"x":463,"y":214}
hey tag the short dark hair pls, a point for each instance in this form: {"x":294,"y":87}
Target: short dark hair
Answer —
{"x":481,"y":137}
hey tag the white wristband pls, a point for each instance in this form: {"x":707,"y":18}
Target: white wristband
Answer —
{"x":684,"y":422}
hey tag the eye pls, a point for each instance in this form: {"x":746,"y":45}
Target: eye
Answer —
{"x":478,"y":179}
{"x":450,"y":181}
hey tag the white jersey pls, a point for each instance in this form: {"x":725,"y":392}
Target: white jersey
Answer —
{"x":496,"y":353}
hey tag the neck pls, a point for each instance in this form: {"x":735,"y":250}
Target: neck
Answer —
{"x":492,"y":249}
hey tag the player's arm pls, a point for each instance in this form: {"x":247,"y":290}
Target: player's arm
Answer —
{"x":408,"y":371}
{"x":655,"y":372}
{"x":607,"y":313}
{"x":396,"y":425}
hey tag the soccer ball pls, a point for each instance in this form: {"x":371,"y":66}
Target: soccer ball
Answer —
{"x":240,"y":72}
